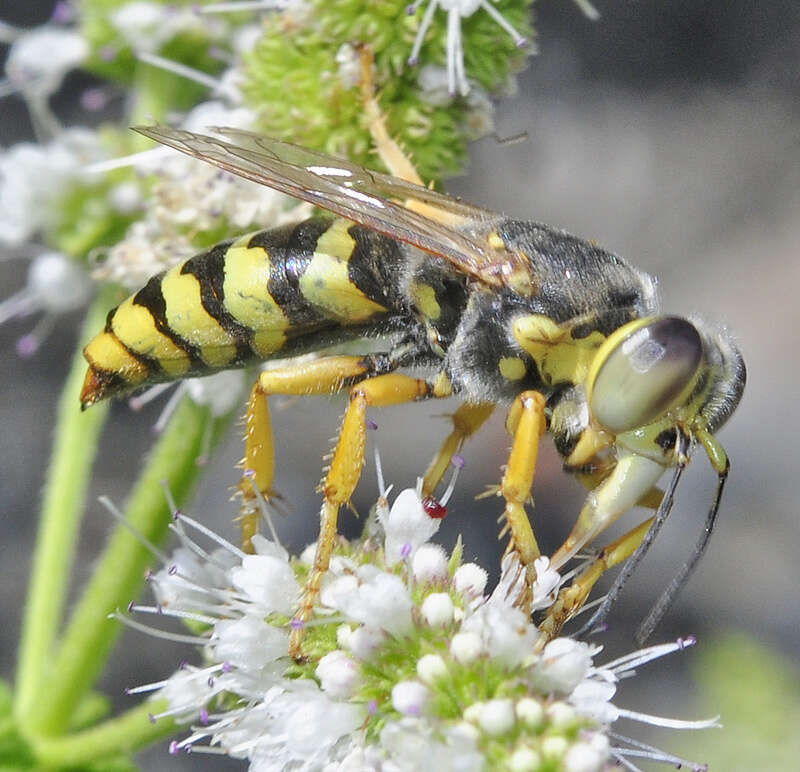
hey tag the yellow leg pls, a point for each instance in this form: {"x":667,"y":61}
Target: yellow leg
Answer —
{"x":322,"y":376}
{"x":396,"y":161}
{"x":344,"y":472}
{"x":629,"y":483}
{"x":466,"y":421}
{"x":392,"y":155}
{"x":571,"y":599}
{"x":527,"y":422}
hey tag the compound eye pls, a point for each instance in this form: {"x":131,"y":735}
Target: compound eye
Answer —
{"x":645,"y":374}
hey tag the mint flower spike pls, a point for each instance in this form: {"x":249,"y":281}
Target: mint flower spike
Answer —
{"x":456,"y":10}
{"x":409,"y":662}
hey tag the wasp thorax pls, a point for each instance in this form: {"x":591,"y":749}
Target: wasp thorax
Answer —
{"x":642,"y":371}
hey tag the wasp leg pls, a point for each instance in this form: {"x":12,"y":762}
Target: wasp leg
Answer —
{"x":630,"y":482}
{"x":526,"y":422}
{"x":394,"y":159}
{"x":322,"y":376}
{"x":571,"y":599}
{"x":466,"y":421}
{"x":345,"y":469}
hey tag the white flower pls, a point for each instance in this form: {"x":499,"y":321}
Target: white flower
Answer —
{"x":349,"y":66}
{"x":456,"y":10}
{"x":504,"y":632}
{"x":409,"y":697}
{"x":547,"y":583}
{"x":267,"y":581}
{"x":248,"y":643}
{"x":437,"y":687}
{"x":298,"y":726}
{"x":338,"y":674}
{"x":189,"y":197}
{"x":182,"y":584}
{"x":379,"y":600}
{"x":431,"y":668}
{"x":33,"y":177}
{"x":466,"y":647}
{"x":429,"y":564}
{"x":497,"y":717}
{"x":407,"y":526}
{"x":525,"y":760}
{"x":470,"y":580}
{"x":437,"y":609}
{"x":40,"y":58}
{"x":564,"y":664}
{"x":583,"y":757}
{"x":413,"y":744}
{"x":147,"y":26}
{"x":364,"y":641}
{"x":530,"y":712}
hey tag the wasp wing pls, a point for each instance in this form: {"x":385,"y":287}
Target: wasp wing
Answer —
{"x":341,"y":170}
{"x":347,"y":190}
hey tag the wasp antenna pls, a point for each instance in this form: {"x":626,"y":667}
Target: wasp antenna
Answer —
{"x":663,"y":604}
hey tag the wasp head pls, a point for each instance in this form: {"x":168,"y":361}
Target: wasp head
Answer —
{"x":658,"y":375}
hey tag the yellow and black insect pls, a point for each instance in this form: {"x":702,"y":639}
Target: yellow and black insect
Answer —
{"x":501,"y":311}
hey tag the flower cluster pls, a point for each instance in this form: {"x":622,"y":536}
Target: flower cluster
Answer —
{"x":100,"y":199}
{"x":409,"y":661}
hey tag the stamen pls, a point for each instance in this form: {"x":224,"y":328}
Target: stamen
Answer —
{"x":216,"y":538}
{"x":29,"y":344}
{"x":194,"y":640}
{"x":643,"y":750}
{"x":169,"y":612}
{"x":156,"y":685}
{"x":588,"y":10}
{"x":116,"y":513}
{"x":140,"y":400}
{"x":457,"y":462}
{"x":264,"y":508}
{"x":423,"y":28}
{"x":209,"y":750}
{"x":519,"y":40}
{"x":169,"y":408}
{"x":379,"y":474}
{"x":237,"y":6}
{"x":173,"y":507}
{"x":182,"y":70}
{"x":642,"y":656}
{"x":205,"y":444}
{"x":669,"y":723}
{"x":453,"y":33}
{"x":134,"y":159}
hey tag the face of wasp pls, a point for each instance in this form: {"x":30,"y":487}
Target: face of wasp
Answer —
{"x":657,"y":374}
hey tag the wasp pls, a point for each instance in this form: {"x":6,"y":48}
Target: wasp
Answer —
{"x":498,"y":311}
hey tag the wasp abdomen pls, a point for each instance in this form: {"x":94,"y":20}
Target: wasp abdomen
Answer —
{"x":243,"y":301}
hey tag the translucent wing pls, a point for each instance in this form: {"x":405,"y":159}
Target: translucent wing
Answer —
{"x":353,"y":192}
{"x":366,"y":180}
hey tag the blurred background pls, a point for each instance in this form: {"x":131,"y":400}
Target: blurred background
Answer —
{"x":669,"y":132}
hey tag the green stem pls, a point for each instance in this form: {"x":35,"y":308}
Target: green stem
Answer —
{"x":119,"y":573}
{"x":123,"y":734}
{"x":74,"y":449}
